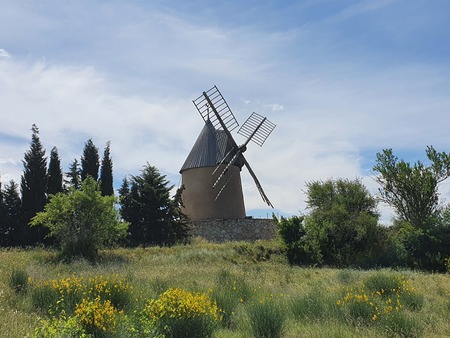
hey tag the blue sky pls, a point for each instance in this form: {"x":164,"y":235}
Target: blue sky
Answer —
{"x":341,"y":79}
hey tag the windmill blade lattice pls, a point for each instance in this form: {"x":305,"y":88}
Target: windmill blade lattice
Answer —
{"x":256,"y":128}
{"x":216,"y":113}
{"x":212,"y":107}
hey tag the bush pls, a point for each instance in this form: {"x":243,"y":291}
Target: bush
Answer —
{"x":18,"y":280}
{"x":82,"y":221}
{"x":64,"y":294}
{"x":402,"y":325}
{"x":266,"y":319}
{"x":384,"y":283}
{"x":44,"y":297}
{"x":180,"y":313}
{"x":97,"y":317}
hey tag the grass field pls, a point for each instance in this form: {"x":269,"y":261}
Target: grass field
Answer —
{"x":253,"y":286}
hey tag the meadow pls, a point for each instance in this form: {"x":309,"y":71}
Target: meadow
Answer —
{"x":237,"y":289}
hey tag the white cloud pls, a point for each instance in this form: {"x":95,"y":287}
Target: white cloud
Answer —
{"x":130,"y":79}
{"x":4,"y":54}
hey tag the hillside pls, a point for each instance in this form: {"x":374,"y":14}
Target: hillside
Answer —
{"x":314,"y":302}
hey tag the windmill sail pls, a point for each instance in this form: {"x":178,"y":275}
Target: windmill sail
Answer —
{"x":218,"y":116}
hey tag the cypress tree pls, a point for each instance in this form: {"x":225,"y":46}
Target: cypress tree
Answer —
{"x":34,"y":186}
{"x":106,"y":174}
{"x":55,"y":176}
{"x":90,"y":161}
{"x":13,"y":231}
{"x":73,"y":175}
{"x":2,"y":215}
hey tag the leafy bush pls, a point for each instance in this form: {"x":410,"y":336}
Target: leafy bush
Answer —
{"x":341,"y":230}
{"x":59,"y":327}
{"x":97,"y":317}
{"x":180,"y":313}
{"x":64,"y":294}
{"x":82,"y":220}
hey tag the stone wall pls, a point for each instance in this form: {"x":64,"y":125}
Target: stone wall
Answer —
{"x":226,"y":230}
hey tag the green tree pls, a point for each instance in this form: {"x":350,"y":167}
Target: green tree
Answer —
{"x":82,"y":221}
{"x":106,"y":173}
{"x":154,"y":217}
{"x":412,"y":190}
{"x":3,"y":225}
{"x":55,"y":176}
{"x":12,"y":230}
{"x":90,"y":161}
{"x":34,"y":186}
{"x":292,"y":232}
{"x":341,"y":229}
{"x":74,"y":175}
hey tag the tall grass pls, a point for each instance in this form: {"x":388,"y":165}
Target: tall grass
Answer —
{"x":267,"y":319}
{"x":236,"y":276}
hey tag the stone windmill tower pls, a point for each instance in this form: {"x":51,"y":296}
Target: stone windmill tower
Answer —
{"x":211,"y":172}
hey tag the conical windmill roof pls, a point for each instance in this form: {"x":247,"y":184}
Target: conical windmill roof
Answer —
{"x":211,"y":147}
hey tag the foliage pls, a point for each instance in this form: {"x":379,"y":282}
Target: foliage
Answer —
{"x":342,"y":228}
{"x":314,"y":306}
{"x":106,"y":173}
{"x":214,"y":264}
{"x":82,"y":220}
{"x":74,"y":175}
{"x":180,"y":313}
{"x":11,"y":227}
{"x":97,"y":317}
{"x":267,"y":319}
{"x":19,"y":280}
{"x":59,"y":327}
{"x":383,"y":300}
{"x":56,"y":295}
{"x":154,"y":217}
{"x":412,"y":190}
{"x":228,"y":293}
{"x":33,"y":188}
{"x":291,"y":230}
{"x":55,"y":176}
{"x":90,"y":161}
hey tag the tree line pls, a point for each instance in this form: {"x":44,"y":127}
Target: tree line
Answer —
{"x":50,"y":204}
{"x":342,"y":228}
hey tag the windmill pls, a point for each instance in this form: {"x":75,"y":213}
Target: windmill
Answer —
{"x":211,"y":172}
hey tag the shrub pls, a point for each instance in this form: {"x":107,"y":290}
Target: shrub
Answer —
{"x":44,"y":297}
{"x":266,"y":319}
{"x":97,"y":317}
{"x":412,"y":300}
{"x":402,"y":325}
{"x":18,"y":280}
{"x":180,"y":313}
{"x":59,"y":327}
{"x":361,"y":307}
{"x":64,"y":294}
{"x":384,"y":283}
{"x":82,"y":220}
